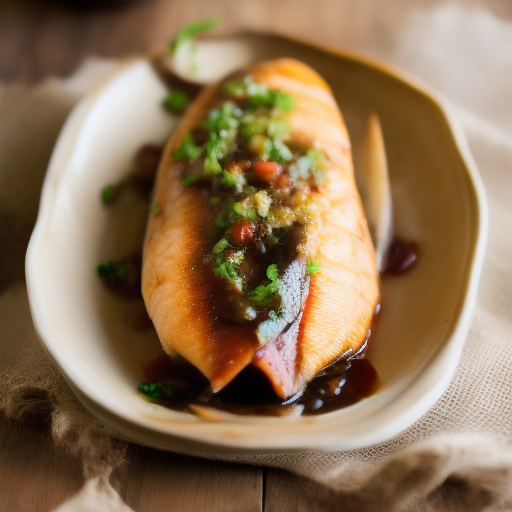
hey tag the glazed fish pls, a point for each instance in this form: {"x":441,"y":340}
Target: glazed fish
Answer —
{"x":257,"y":250}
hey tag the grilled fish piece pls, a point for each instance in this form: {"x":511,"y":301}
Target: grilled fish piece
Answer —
{"x":323,"y":316}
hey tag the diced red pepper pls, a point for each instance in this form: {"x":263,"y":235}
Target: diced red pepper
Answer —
{"x":267,"y":171}
{"x":242,"y":232}
{"x":282,"y":181}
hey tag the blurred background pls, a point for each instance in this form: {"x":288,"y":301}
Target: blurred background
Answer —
{"x":38,"y":38}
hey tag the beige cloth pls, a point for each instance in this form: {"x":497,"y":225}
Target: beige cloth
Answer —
{"x":458,"y":457}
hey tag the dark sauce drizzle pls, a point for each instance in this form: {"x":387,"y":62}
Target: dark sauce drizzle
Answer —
{"x":402,"y":255}
{"x":344,"y":382}
{"x":341,"y":384}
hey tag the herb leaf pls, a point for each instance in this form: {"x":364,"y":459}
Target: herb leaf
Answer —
{"x":189,"y":180}
{"x":107,"y":194}
{"x":176,"y":101}
{"x":155,"y":389}
{"x":264,"y":294}
{"x":187,"y":150}
{"x":118,"y":273}
{"x":192,"y":30}
{"x":276,"y":150}
{"x":220,"y":246}
{"x":228,"y":271}
{"x":313,"y":267}
{"x":272,"y":272}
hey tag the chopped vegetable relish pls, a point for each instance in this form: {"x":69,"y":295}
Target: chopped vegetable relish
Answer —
{"x":263,"y":189}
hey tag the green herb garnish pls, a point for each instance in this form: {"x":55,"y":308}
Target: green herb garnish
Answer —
{"x":118,"y":273}
{"x":107,"y":194}
{"x":272,"y":272}
{"x":244,"y":211}
{"x":187,"y":150}
{"x":228,"y":179}
{"x":176,"y":101}
{"x":309,"y":165}
{"x":276,"y":150}
{"x":156,"y":389}
{"x":220,"y":246}
{"x":192,"y":30}
{"x":189,"y":180}
{"x":259,"y":95}
{"x":228,"y":270}
{"x":264,"y":294}
{"x":313,"y":267}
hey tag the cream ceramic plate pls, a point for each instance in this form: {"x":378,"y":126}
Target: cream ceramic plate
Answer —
{"x":439,"y":203}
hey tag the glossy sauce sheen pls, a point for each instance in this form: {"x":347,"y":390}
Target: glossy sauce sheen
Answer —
{"x":342,"y":384}
{"x":402,"y":255}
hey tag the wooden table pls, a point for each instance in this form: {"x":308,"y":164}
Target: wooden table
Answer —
{"x":41,"y":38}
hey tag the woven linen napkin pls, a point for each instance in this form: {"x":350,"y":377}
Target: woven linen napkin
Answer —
{"x":459,"y":455}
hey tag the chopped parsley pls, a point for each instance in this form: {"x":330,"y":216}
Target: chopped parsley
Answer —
{"x":276,"y":150}
{"x":192,"y":30}
{"x":189,"y":180}
{"x":187,"y":150}
{"x":313,"y":267}
{"x":255,"y":207}
{"x":264,"y":294}
{"x":155,"y":390}
{"x":107,"y":194}
{"x":119,"y":273}
{"x":176,"y":101}
{"x":228,"y":270}
{"x":259,"y":95}
{"x":310,"y":165}
{"x":220,"y":246}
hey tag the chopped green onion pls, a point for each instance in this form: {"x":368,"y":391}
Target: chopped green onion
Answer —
{"x":278,"y":128}
{"x":227,"y":270}
{"x":220,"y":246}
{"x":155,"y":389}
{"x":118,"y":273}
{"x":313,"y":267}
{"x":276,"y":150}
{"x":272,"y":272}
{"x":155,"y":208}
{"x":107,"y":194}
{"x":214,"y":201}
{"x":211,"y":165}
{"x":189,"y":180}
{"x":247,"y":212}
{"x":176,"y":101}
{"x":192,"y":30}
{"x":315,"y":155}
{"x":228,"y":179}
{"x":263,"y":294}
{"x":187,"y":150}
{"x":283,"y":101}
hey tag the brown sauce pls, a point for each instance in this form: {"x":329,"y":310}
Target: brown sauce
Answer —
{"x":402,"y":255}
{"x":342,"y":384}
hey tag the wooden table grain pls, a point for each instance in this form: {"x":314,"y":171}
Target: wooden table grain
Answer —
{"x":41,"y":38}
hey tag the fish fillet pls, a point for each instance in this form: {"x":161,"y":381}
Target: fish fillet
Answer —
{"x":336,"y":307}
